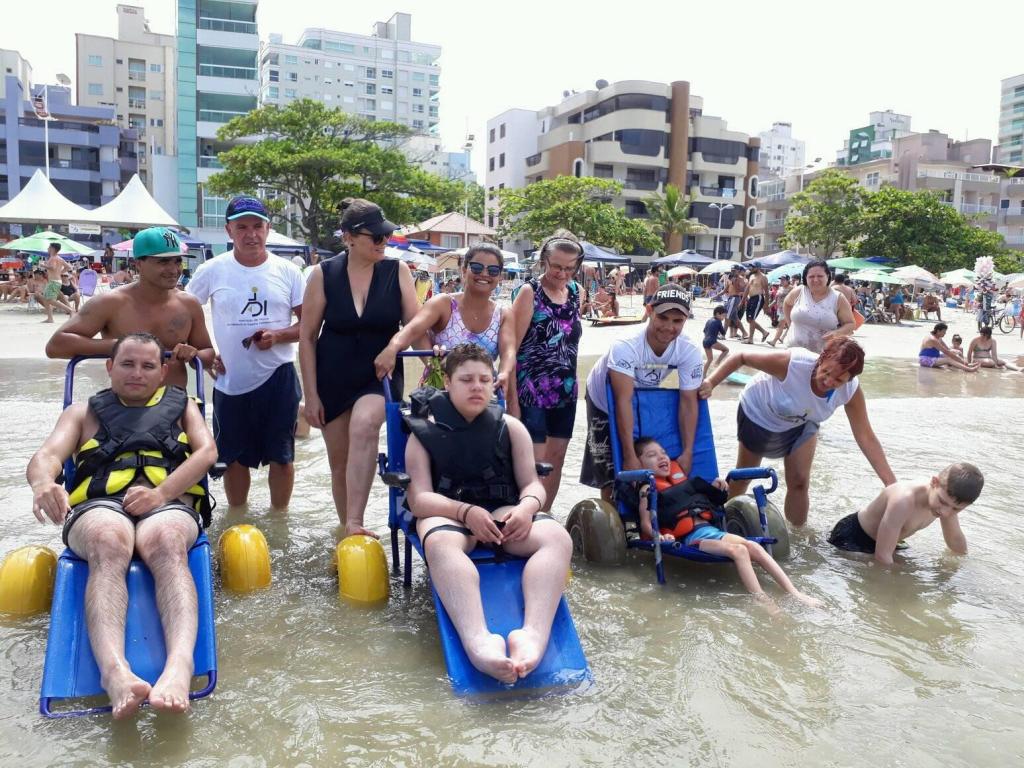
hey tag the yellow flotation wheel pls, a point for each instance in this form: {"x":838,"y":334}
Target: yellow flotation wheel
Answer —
{"x":26,"y":581}
{"x":244,"y":559}
{"x":362,"y":570}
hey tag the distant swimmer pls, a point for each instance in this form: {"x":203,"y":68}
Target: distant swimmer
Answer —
{"x":123,"y":505}
{"x":904,"y":508}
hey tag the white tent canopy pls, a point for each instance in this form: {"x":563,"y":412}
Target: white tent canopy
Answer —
{"x":40,"y":202}
{"x":133,"y":208}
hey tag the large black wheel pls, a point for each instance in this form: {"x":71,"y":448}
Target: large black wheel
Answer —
{"x":597,"y":533}
{"x":1007,"y":323}
{"x":742,"y":519}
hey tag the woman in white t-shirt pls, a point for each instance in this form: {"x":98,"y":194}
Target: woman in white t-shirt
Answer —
{"x":781,"y":409}
{"x":815,"y":313}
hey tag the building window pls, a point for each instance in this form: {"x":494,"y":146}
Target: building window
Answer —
{"x":293,"y":77}
{"x":371,"y":89}
{"x":418,"y":93}
{"x":577,"y":167}
{"x":501,"y":131}
{"x":272,"y":92}
{"x":387,"y":91}
{"x":371,"y":73}
{"x":275,"y":76}
{"x":156,"y":95}
{"x":752,"y":186}
{"x":417,"y":108}
{"x":751,"y":217}
{"x":490,"y":137}
{"x":95,"y":61}
{"x":501,"y":160}
{"x":490,"y":164}
{"x":291,"y":59}
{"x":451,"y":241}
{"x":156,"y":68}
{"x":418,"y":77}
{"x":95,"y":89}
{"x":289,"y":93}
{"x":417,"y":124}
{"x":388,"y":73}
{"x":871,"y":180}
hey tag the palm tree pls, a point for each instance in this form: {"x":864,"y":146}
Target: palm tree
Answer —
{"x":669,"y":217}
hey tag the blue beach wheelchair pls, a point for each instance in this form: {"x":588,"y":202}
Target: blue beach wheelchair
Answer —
{"x":602,"y":532}
{"x":70,"y":671}
{"x":564,"y":663}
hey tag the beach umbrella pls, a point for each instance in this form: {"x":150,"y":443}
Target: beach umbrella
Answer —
{"x":723,"y":265}
{"x":410,"y":256}
{"x":853,"y":264}
{"x":957,"y":274}
{"x":680,"y":271}
{"x":914,"y":272}
{"x":779,"y":259}
{"x":688,"y":257}
{"x":786,"y":270}
{"x":40,"y":241}
{"x":871,"y":276}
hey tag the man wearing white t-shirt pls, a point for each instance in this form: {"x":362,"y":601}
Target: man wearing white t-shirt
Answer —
{"x":642,"y":361}
{"x":256,"y":395}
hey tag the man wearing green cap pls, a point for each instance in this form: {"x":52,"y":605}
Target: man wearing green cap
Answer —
{"x":152,"y":304}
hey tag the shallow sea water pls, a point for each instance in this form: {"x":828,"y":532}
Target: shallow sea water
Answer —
{"x":918,"y":666}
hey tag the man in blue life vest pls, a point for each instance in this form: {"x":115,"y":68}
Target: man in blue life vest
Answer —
{"x":140,"y":450}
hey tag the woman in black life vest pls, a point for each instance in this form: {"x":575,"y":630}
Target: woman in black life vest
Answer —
{"x":465,"y":494}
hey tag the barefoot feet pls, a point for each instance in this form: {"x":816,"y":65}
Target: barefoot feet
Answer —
{"x":526,"y":648}
{"x":808,"y":600}
{"x":170,"y":693}
{"x":126,"y":691}
{"x":354,"y":529}
{"x":487,"y":653}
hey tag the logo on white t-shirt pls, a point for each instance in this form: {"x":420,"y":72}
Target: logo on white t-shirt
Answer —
{"x":259,"y":307}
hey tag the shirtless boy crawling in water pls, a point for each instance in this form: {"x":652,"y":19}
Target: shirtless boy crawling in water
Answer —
{"x":905,"y":508}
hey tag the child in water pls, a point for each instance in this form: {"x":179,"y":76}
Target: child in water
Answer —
{"x":685,"y":512}
{"x":903,"y":509}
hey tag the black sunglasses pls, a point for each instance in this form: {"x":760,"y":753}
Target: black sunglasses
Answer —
{"x":478,"y":269}
{"x":377,"y":239}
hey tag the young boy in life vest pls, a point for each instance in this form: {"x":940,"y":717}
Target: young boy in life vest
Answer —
{"x":686,"y":511}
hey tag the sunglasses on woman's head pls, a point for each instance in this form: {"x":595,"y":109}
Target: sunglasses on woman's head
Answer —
{"x":377,"y":239}
{"x":478,"y":269}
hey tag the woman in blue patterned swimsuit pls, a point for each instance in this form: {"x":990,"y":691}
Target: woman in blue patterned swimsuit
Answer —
{"x":548,"y":329}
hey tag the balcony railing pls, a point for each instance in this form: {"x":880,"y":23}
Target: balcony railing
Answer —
{"x":1014,"y":239}
{"x":75,"y":165}
{"x":218,"y":116}
{"x":773,"y":197}
{"x":639,"y":184}
{"x":218,"y":70}
{"x":970,"y":208}
{"x":209,"y":161}
{"x":779,"y":222}
{"x":136,"y":76}
{"x":718,"y":191}
{"x":982,"y":177}
{"x":226,"y":25}
{"x":136,"y":103}
{"x":1017,"y":180}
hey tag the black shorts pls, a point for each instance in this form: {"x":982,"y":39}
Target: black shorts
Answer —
{"x":850,"y":535}
{"x":597,"y":470}
{"x":115,"y":504}
{"x":457,"y":528}
{"x":771,"y":445}
{"x":733,"y":307}
{"x":258,"y":427}
{"x":68,"y":290}
{"x":754,"y":306}
{"x":543,"y":423}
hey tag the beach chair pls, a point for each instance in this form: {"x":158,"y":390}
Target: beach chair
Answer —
{"x":87,"y":282}
{"x":602,"y":532}
{"x":564,"y":663}
{"x":70,"y":672}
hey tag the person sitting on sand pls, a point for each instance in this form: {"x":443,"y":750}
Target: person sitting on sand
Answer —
{"x":933,"y":348}
{"x":158,"y":513}
{"x":685,"y":513}
{"x":958,"y":346}
{"x":930,"y":303}
{"x":152,"y":304}
{"x":904,"y":508}
{"x":982,"y":351}
{"x":473,"y":481}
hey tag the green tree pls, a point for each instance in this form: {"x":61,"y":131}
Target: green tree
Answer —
{"x":917,"y":228}
{"x":315,"y":156}
{"x":826,"y":217}
{"x":669,"y":217}
{"x":581,"y":205}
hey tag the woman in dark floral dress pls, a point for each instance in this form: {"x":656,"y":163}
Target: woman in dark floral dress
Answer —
{"x":548,"y":328}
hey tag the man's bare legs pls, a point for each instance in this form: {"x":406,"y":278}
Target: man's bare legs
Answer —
{"x":106,"y":539}
{"x":457,"y":582}
{"x":282,"y":481}
{"x":363,"y":436}
{"x":553,"y":452}
{"x":549,"y":549}
{"x":237,"y":480}
{"x":335,"y":434}
{"x":744,"y":553}
{"x":163,"y":542}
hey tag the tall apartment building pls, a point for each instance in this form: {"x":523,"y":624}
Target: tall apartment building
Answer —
{"x":381,"y":76}
{"x":13,"y":65}
{"x":217,"y":79}
{"x":83,"y":141}
{"x":1011,"y":121}
{"x":134,"y":75}
{"x":874,"y":140}
{"x":645,"y":135}
{"x":781,"y":154}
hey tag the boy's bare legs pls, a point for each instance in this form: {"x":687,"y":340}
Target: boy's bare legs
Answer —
{"x":744,"y":553}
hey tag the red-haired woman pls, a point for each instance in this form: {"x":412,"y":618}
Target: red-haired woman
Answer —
{"x":781,"y":409}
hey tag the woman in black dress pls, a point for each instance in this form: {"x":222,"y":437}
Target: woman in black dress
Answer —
{"x":353,"y":305}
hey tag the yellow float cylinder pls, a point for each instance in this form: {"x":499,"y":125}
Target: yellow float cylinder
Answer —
{"x":244,"y":559}
{"x":26,"y":581}
{"x":362,"y":570}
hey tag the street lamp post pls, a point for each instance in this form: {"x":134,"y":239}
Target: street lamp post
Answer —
{"x":468,"y":146}
{"x":720,"y":208}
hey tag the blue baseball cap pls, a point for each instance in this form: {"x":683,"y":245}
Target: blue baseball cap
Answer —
{"x":156,"y":241}
{"x":246,"y":205}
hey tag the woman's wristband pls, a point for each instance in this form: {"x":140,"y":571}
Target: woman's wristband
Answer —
{"x":531,"y":496}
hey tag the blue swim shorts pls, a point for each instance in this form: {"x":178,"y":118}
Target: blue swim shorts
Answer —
{"x":703,"y":533}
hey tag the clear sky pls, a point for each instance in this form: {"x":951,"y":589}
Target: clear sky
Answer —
{"x":819,"y":64}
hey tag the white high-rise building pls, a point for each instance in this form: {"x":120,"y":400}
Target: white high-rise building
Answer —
{"x":1010,"y":149}
{"x":781,"y":154}
{"x":382,"y":76}
{"x":133,"y":74}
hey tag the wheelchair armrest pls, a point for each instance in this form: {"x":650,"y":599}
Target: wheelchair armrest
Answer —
{"x":396,"y":480}
{"x":544,"y":469}
{"x":755,"y":473}
{"x":217,"y":470}
{"x":636,"y":476}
